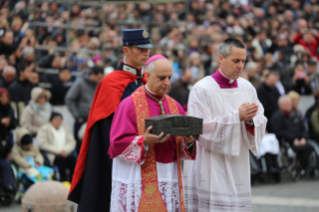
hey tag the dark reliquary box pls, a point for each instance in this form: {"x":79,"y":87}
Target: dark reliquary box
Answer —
{"x":175,"y":125}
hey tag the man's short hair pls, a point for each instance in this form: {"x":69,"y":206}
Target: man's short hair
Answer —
{"x":272,"y":73}
{"x":225,"y":46}
{"x":97,"y":70}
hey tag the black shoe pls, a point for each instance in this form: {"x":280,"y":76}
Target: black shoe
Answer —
{"x":277,"y":177}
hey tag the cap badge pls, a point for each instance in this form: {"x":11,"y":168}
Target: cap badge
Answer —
{"x":145,"y":34}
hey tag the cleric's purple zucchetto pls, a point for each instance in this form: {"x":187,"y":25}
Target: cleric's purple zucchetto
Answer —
{"x":153,"y":58}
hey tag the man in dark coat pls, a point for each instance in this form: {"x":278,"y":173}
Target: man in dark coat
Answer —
{"x":92,"y":179}
{"x":288,"y":126}
{"x":20,"y":90}
{"x":179,"y":89}
{"x":7,"y":47}
{"x":268,"y":95}
{"x":8,"y":76}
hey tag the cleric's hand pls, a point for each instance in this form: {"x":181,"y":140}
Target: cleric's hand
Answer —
{"x":189,"y":139}
{"x":247,"y":111}
{"x":150,"y":138}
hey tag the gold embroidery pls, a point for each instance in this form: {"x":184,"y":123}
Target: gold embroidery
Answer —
{"x":173,"y":109}
{"x":150,"y":190}
{"x":151,"y":200}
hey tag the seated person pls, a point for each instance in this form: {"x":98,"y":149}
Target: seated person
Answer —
{"x":38,"y":112}
{"x":287,"y":125}
{"x":7,"y":181}
{"x":55,"y":139}
{"x":314,"y":121}
{"x":24,"y":148}
{"x":269,"y":149}
{"x":8,"y":122}
{"x":29,"y":160}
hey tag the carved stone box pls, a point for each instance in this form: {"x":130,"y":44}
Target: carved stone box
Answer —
{"x":175,"y":125}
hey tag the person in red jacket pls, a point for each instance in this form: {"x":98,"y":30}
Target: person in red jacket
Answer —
{"x":307,"y":38}
{"x":92,"y":180}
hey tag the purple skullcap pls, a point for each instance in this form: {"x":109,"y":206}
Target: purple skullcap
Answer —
{"x":153,"y":58}
{"x":97,"y":57}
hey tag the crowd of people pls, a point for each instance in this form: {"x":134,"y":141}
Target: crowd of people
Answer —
{"x":281,"y":38}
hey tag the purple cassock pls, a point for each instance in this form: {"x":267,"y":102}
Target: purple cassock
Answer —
{"x":124,"y":129}
{"x":223,"y":82}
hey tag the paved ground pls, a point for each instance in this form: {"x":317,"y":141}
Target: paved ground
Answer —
{"x":302,"y":196}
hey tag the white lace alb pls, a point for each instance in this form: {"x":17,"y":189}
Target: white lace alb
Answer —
{"x":126,"y":197}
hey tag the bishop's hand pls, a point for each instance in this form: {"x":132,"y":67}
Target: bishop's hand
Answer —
{"x":247,"y":111}
{"x":150,"y":138}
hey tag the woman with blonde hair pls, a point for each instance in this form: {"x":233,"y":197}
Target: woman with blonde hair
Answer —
{"x":196,"y":66}
{"x":295,"y":97}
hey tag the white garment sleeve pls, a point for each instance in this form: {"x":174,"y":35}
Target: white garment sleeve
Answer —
{"x":134,"y":152}
{"x":253,"y":142}
{"x":221,"y":134}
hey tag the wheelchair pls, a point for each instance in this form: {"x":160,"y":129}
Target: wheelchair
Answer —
{"x":6,"y":197}
{"x":261,"y":170}
{"x":291,"y":164}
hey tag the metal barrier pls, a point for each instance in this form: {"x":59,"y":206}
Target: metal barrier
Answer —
{"x":68,"y":26}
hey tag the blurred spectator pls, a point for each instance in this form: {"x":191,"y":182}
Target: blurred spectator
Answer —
{"x":52,"y":61}
{"x":196,"y":66}
{"x":93,"y":45}
{"x":58,"y":37}
{"x":261,"y":43}
{"x":8,"y":122}
{"x":60,"y":84}
{"x":313,"y":74}
{"x":307,"y":38}
{"x":20,"y":89}
{"x":24,"y":148}
{"x":179,"y":89}
{"x":268,"y":96}
{"x":34,"y":78}
{"x":300,"y":81}
{"x":6,"y":176}
{"x":251,"y":68}
{"x":315,"y":123}
{"x":280,"y":87}
{"x":38,"y":112}
{"x":80,"y":96}
{"x":295,"y":97}
{"x":289,"y":126}
{"x":8,"y":76}
{"x":7,"y":46}
{"x":309,"y":112}
{"x":3,"y":63}
{"x":27,"y":55}
{"x":55,"y":139}
{"x":98,"y":60}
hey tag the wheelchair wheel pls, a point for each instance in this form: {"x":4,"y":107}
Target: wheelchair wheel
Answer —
{"x":15,"y":176}
{"x":6,"y":200}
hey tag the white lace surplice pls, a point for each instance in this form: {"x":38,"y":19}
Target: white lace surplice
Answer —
{"x":219,"y":178}
{"x":127,"y":180}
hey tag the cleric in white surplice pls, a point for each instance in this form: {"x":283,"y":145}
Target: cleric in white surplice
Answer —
{"x":234,"y":123}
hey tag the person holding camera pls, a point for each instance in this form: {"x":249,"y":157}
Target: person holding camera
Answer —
{"x":301,"y":81}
